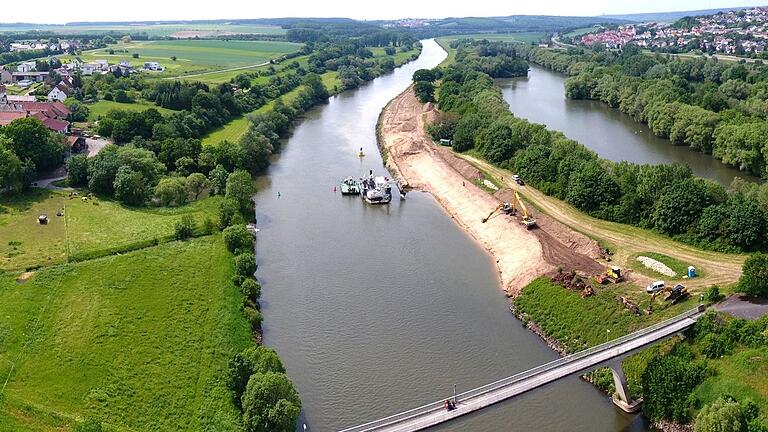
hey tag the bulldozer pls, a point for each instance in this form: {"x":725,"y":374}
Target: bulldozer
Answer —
{"x":676,"y":295}
{"x":610,"y":275}
{"x":506,"y":208}
{"x":525,"y":218}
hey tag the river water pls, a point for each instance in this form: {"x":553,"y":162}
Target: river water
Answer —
{"x":613,"y":135}
{"x":379,"y":309}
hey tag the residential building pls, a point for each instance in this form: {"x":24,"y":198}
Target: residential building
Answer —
{"x":59,"y":93}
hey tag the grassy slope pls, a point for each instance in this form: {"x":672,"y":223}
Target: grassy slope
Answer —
{"x":86,"y":228}
{"x":141,"y":340}
{"x":524,"y":37}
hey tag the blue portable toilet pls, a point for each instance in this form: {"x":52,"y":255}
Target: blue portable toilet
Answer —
{"x":691,"y":271}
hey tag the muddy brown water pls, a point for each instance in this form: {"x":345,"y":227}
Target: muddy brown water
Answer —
{"x":375,"y":310}
{"x":613,"y":135}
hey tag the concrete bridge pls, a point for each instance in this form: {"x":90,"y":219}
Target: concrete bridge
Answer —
{"x":606,"y":355}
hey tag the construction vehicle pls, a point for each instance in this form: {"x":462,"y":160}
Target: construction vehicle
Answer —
{"x":676,"y":294}
{"x":507,"y":208}
{"x":526,"y":218}
{"x":610,"y":275}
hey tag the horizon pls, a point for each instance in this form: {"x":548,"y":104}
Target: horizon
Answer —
{"x":168,"y":12}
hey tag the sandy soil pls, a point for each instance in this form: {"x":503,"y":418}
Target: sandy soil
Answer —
{"x":521,"y":255}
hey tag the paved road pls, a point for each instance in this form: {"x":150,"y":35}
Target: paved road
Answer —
{"x":744,"y":307}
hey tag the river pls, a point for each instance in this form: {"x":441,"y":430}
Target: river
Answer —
{"x":379,"y":309}
{"x":612,"y":134}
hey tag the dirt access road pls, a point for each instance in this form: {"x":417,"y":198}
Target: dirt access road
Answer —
{"x":627,"y":241}
{"x":521,"y":255}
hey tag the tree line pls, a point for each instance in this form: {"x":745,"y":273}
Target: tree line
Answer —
{"x":714,"y":107}
{"x":666,"y":198}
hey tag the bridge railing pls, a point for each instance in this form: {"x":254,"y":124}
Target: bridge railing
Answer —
{"x":438,"y":405}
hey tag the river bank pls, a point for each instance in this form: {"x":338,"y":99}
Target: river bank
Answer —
{"x":521,"y":255}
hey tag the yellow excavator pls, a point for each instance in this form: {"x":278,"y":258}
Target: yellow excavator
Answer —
{"x":676,"y":294}
{"x":526,"y":218}
{"x":506,"y":208}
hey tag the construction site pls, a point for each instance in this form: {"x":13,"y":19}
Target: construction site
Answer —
{"x":530,"y":234}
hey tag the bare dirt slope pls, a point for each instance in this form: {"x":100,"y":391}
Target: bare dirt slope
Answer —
{"x":521,"y":255}
{"x":721,"y":269}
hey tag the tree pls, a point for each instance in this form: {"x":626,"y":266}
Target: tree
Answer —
{"x":197,"y":183}
{"x":218,"y":180}
{"x":130,"y":186}
{"x":270,"y":403}
{"x":79,"y":111}
{"x":667,"y":383}
{"x":427,"y":75}
{"x":229,"y":213}
{"x":77,"y":170}
{"x":679,"y":206}
{"x":425,"y":91}
{"x":591,"y":187}
{"x":722,"y":415}
{"x":30,"y":139}
{"x":10,"y":167}
{"x":240,"y":188}
{"x":238,"y":239}
{"x":245,"y":264}
{"x":754,"y":277}
{"x":257,"y":359}
{"x":102,"y":170}
{"x":172,"y":190}
{"x":250,"y":289}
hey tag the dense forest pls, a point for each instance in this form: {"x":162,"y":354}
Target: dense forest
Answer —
{"x":666,"y":198}
{"x":715,"y":107}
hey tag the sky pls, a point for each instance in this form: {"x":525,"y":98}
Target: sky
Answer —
{"x":52,"y":11}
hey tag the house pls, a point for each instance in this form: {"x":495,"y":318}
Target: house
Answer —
{"x":88,"y":69}
{"x":7,"y":117}
{"x":59,"y":93}
{"x":29,"y":76}
{"x":152,"y":66}
{"x":101,"y":65}
{"x":26,"y":67}
{"x":6,"y":77}
{"x":76,"y":143}
{"x":56,"y":125}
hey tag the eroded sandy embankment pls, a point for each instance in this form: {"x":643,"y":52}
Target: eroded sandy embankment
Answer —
{"x":521,"y":255}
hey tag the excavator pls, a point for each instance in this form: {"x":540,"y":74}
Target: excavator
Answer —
{"x":676,"y":294}
{"x":506,"y":208}
{"x":526,"y":218}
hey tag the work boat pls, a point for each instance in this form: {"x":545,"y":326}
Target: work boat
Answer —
{"x":378,"y":190}
{"x":350,"y":187}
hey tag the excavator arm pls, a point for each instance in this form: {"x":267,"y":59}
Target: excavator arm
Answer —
{"x":527,"y":220}
{"x":485,"y":219}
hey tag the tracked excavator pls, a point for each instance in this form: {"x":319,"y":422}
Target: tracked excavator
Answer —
{"x":506,"y":208}
{"x":526,"y":218}
{"x":676,"y":295}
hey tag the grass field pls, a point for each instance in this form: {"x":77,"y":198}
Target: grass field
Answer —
{"x":192,"y":56}
{"x":92,"y":228}
{"x":140,"y":340}
{"x":580,"y":31}
{"x":524,"y":37}
{"x":102,"y":107}
{"x":156,"y":30}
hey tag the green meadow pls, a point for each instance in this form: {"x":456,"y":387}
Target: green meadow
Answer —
{"x":87,"y":229}
{"x":102,"y":107}
{"x":140,"y":341}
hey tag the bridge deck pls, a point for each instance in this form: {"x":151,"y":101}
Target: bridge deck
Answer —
{"x":473,"y":400}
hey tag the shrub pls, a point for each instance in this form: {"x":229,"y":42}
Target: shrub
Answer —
{"x":229,"y":213}
{"x":184,"y":228}
{"x":238,"y":239}
{"x":713,"y":294}
{"x":668,"y":384}
{"x":251,"y":289}
{"x":245,"y":264}
{"x":89,"y":425}
{"x":253,"y":316}
{"x":720,"y":416}
{"x":208,"y":226}
{"x":258,"y":359}
{"x":714,"y":345}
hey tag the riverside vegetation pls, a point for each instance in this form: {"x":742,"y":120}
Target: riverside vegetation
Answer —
{"x":708,"y":369}
{"x":148,"y":218}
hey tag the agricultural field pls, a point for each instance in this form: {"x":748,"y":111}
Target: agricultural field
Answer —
{"x":88,"y":228}
{"x":523,"y":37}
{"x":580,"y":31}
{"x":141,"y":341}
{"x":192,"y":56}
{"x":157,"y":30}
{"x":102,"y":107}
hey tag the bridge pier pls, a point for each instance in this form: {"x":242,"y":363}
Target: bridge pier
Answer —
{"x":621,"y":397}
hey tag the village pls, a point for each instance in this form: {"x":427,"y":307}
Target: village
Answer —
{"x":743,"y":32}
